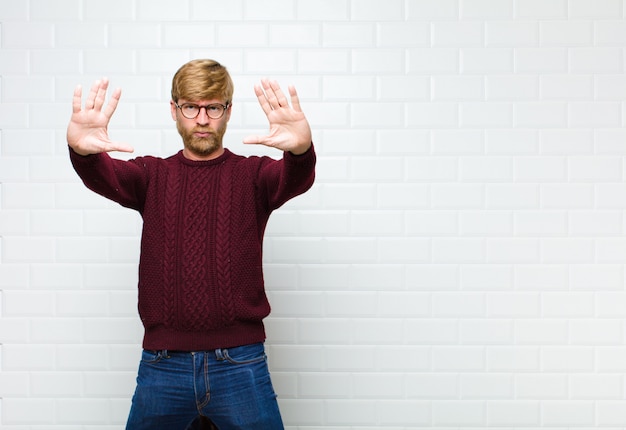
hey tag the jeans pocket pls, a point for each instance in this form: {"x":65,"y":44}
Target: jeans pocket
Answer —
{"x":151,"y":357}
{"x":245,"y":354}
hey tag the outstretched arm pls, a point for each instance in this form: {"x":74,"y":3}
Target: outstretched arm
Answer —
{"x":87,"y":131}
{"x":289,"y":128}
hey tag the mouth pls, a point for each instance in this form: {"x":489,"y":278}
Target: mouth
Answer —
{"x":202,"y":134}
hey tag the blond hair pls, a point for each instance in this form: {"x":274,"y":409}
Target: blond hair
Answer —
{"x":202,"y":80}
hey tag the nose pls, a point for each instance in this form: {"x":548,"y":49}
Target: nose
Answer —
{"x":203,"y":116}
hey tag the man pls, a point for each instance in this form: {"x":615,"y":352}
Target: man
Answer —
{"x":201,"y":295}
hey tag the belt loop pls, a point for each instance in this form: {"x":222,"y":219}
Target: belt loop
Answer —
{"x":219,"y":355}
{"x":164,"y":354}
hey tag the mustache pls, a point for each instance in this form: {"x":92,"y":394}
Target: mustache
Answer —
{"x":202,"y":130}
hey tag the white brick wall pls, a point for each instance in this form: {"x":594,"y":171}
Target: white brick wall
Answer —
{"x":458,"y":264}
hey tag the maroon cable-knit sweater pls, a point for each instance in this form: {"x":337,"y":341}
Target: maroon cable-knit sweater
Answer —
{"x":200,"y":269}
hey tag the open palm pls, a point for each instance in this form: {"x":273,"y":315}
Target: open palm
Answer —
{"x":87,"y":132}
{"x":289,"y":129}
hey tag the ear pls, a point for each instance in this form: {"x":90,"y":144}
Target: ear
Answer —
{"x":228,"y":112}
{"x":173,"y":109}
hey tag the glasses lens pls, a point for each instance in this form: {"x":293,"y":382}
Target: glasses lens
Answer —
{"x":214,"y":111}
{"x":190,"y":111}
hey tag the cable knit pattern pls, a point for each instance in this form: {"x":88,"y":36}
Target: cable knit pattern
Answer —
{"x":223,"y":234}
{"x":194,"y":296}
{"x":200,"y":270}
{"x":169,"y":247}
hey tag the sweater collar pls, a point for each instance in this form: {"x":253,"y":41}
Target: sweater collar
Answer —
{"x":215,"y":161}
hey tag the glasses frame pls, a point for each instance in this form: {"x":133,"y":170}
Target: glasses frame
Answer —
{"x":206,"y":109}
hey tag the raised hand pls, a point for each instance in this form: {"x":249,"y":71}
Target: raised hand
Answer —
{"x":87,"y":131}
{"x":289,"y":128}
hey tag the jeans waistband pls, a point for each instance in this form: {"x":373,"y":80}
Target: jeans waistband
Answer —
{"x":219,"y":354}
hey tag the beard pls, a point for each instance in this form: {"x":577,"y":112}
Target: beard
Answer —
{"x":201,"y":145}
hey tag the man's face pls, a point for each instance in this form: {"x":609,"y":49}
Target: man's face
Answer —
{"x":202,"y":135}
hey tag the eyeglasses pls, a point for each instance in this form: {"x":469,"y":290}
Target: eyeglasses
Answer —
{"x":213,"y":111}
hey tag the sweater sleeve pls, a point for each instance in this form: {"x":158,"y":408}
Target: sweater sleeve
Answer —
{"x":124,"y":182}
{"x":287,"y":178}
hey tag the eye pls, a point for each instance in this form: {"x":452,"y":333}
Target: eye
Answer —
{"x":191,"y":108}
{"x":214,"y":108}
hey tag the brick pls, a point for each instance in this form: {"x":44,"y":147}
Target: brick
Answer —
{"x":342,"y":35}
{"x":31,"y":35}
{"x":375,"y":11}
{"x":513,"y":305}
{"x":463,"y":305}
{"x":541,"y":60}
{"x":486,"y":114}
{"x":323,"y":385}
{"x":519,"y":359}
{"x":405,"y":250}
{"x":432,"y":169}
{"x":268,"y":9}
{"x":432,"y":9}
{"x":542,"y":224}
{"x":486,"y":169}
{"x":457,"y":88}
{"x":432,"y":115}
{"x":478,"y":277}
{"x":566,"y":33}
{"x":541,"y":9}
{"x":429,"y":386}
{"x":567,"y":250}
{"x":541,"y":169}
{"x":511,"y":141}
{"x":455,"y":412}
{"x":511,"y":33}
{"x":563,"y":413}
{"x":512,"y":87}
{"x":486,"y":60}
{"x":540,"y":115}
{"x":595,"y":9}
{"x":433,"y":60}
{"x":561,"y":142}
{"x":512,"y":196}
{"x":431,"y":223}
{"x":404,"y":412}
{"x":483,"y":331}
{"x":556,"y":305}
{"x":596,"y":276}
{"x":455,"y":142}
{"x":327,"y":10}
{"x":486,"y":9}
{"x":540,"y":332}
{"x":405,"y":34}
{"x":541,"y":277}
{"x":484,"y":386}
{"x":458,"y":34}
{"x":536,"y":386}
{"x":595,"y":60}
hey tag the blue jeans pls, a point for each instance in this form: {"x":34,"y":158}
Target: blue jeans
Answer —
{"x":231,"y":387}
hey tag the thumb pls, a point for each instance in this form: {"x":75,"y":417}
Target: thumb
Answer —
{"x":253,"y":139}
{"x":118,"y":146}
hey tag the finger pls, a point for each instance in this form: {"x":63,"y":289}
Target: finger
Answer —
{"x":273,"y":94}
{"x":101,"y":94}
{"x":77,"y":99}
{"x":91,"y":97}
{"x":295,"y":100}
{"x":278,"y":93}
{"x":265,"y":104}
{"x":113,"y":101}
